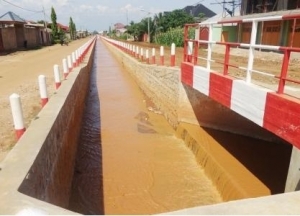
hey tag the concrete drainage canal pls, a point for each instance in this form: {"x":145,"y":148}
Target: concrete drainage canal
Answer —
{"x":129,"y":160}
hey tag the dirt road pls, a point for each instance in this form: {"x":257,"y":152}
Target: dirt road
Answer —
{"x":19,"y":74}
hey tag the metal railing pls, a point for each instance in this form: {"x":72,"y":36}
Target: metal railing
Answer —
{"x":191,"y":52}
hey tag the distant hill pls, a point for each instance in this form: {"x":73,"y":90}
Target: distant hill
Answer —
{"x":197,"y":9}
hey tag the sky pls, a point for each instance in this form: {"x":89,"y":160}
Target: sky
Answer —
{"x":97,"y":15}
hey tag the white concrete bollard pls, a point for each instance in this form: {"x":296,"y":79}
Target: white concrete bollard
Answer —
{"x":172,"y":55}
{"x":153,"y":55}
{"x":65,"y":68}
{"x":69,"y":63}
{"x":17,"y":113}
{"x":43,"y":90}
{"x":73,"y":60}
{"x":162,"y":58}
{"x":56,"y":76}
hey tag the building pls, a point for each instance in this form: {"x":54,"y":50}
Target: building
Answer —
{"x":278,"y":32}
{"x":16,"y":33}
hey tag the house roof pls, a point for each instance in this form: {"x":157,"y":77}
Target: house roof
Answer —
{"x":119,"y":26}
{"x":197,"y":9}
{"x":11,"y":17}
{"x":63,"y":27}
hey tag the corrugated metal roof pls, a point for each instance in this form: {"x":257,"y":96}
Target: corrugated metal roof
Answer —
{"x":11,"y":17}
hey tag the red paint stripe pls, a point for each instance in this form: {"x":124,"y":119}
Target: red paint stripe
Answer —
{"x":44,"y":101}
{"x":187,"y":72}
{"x":20,"y":132}
{"x":282,"y":117}
{"x":229,"y":43}
{"x":290,"y":16}
{"x":220,"y":88}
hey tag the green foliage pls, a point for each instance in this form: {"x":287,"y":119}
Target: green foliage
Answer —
{"x":175,"y":36}
{"x":162,"y":22}
{"x":201,"y":15}
{"x":72,"y":29}
{"x":54,"y":33}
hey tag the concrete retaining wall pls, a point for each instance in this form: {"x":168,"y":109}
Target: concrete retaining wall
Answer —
{"x":41,"y":165}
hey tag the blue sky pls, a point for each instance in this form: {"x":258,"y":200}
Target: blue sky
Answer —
{"x":97,"y":14}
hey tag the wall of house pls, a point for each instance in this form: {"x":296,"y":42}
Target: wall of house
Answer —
{"x":9,"y":38}
{"x":232,"y":33}
{"x":217,"y":31}
{"x":45,"y":37}
{"x":31,"y":37}
{"x":20,"y":36}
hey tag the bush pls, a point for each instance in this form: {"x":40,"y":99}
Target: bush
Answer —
{"x":175,"y":36}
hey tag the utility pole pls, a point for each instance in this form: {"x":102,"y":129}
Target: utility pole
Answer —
{"x":45,"y":23}
{"x":127,"y":23}
{"x":230,"y":10}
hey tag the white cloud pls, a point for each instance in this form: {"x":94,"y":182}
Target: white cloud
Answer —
{"x":102,"y":8}
{"x":86,"y":8}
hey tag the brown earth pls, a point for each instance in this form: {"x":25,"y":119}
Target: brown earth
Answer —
{"x":20,"y":70}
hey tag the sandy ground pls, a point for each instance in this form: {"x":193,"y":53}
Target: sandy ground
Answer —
{"x":19,"y":73}
{"x":20,"y":70}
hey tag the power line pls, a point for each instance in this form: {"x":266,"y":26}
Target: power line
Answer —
{"x":21,"y":7}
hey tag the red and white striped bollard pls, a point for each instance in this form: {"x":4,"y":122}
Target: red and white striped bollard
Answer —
{"x":172,"y":55}
{"x":147,"y":56}
{"x":153,"y":55}
{"x":69,"y":63}
{"x":162,"y":58}
{"x":43,"y":90}
{"x":17,"y":113}
{"x":73,"y":60}
{"x":56,"y":76}
{"x":142,"y":54}
{"x":137,"y":53}
{"x":65,"y":68}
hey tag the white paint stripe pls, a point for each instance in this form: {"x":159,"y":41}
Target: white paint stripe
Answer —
{"x":249,"y":100}
{"x":201,"y":78}
{"x":259,"y":19}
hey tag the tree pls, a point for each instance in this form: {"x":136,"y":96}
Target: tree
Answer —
{"x":72,"y":29}
{"x":201,"y":15}
{"x":54,"y":33}
{"x":162,"y":22}
{"x":176,"y":18}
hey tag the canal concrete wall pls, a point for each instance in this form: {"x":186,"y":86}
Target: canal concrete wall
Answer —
{"x":40,"y":167}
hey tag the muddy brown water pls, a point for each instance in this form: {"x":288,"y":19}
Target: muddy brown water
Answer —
{"x":129,"y":160}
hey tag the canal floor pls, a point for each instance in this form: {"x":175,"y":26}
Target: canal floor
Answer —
{"x":129,"y":160}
